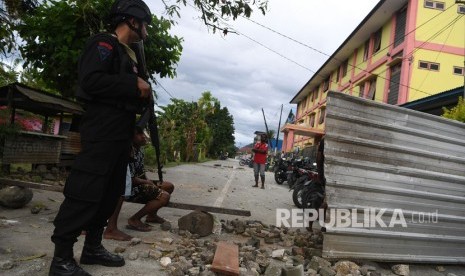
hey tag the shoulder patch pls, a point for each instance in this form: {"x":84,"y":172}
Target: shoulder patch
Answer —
{"x":106,"y":45}
{"x":104,"y":50}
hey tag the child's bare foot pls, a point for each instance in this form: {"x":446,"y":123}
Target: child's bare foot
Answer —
{"x":137,"y":225}
{"x":116,"y":235}
{"x":154,"y":219}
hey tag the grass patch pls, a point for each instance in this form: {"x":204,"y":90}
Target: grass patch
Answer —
{"x":21,"y":167}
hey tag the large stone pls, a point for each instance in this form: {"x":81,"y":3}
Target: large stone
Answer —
{"x":239,"y":226}
{"x":15,"y":197}
{"x":293,"y":271}
{"x":401,"y":269}
{"x":262,"y":260}
{"x":326,"y":271}
{"x":166,"y":226}
{"x":7,"y":264}
{"x":366,"y":268}
{"x":253,"y":242}
{"x":207,"y":273}
{"x":273,"y":270}
{"x":345,"y":267}
{"x":317,"y":263}
{"x":200,"y":223}
{"x":278,"y":254}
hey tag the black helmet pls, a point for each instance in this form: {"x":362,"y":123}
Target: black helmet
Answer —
{"x":121,"y":9}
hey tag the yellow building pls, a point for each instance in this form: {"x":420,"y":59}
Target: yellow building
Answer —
{"x":403,"y":50}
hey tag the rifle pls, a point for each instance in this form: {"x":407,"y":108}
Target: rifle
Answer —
{"x":148,"y":117}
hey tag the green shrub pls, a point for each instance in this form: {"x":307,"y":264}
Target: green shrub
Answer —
{"x":150,"y":160}
{"x":457,"y":112}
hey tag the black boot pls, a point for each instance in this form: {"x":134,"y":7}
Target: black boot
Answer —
{"x":94,"y":252}
{"x":66,"y":267}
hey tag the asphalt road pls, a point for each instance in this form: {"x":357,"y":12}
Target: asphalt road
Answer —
{"x":25,"y":237}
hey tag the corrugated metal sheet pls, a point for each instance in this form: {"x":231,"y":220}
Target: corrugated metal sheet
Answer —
{"x":26,"y":98}
{"x":383,"y":156}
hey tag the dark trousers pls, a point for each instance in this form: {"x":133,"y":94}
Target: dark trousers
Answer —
{"x":92,"y":191}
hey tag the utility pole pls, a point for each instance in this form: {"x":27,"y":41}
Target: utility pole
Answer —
{"x":266,"y":126}
{"x":279,"y":126}
{"x":463,"y":71}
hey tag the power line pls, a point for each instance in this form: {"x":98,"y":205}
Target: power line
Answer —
{"x":325,"y":54}
{"x":317,"y":74}
{"x":166,"y":91}
{"x":408,"y":55}
{"x":353,"y":66}
{"x":269,"y":49}
{"x":440,"y":52}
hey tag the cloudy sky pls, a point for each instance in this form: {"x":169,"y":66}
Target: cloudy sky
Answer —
{"x":261,"y":66}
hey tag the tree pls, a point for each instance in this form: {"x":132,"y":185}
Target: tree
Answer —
{"x":270,"y":134}
{"x":56,"y":56}
{"x":203,"y":123}
{"x":7,"y":74}
{"x":457,"y":112}
{"x":221,"y":124}
{"x":180,"y":123}
{"x":10,"y":14}
{"x":215,"y":13}
{"x":207,"y":106}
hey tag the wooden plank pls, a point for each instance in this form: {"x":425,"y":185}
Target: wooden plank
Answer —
{"x":72,"y":144}
{"x":184,"y":206}
{"x":226,"y":260}
{"x":33,"y":185}
{"x":210,"y":209}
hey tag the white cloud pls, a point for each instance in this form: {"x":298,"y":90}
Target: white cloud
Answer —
{"x":247,"y":77}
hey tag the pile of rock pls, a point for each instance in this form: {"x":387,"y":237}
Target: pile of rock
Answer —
{"x":41,"y":174}
{"x":265,"y":250}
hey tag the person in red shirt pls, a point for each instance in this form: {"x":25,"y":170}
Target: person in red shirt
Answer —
{"x":260,"y":151}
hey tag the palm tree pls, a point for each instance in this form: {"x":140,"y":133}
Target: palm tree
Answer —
{"x":270,"y":134}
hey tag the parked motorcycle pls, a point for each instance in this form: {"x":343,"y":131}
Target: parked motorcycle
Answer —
{"x":280,"y":170}
{"x":296,"y":169}
{"x":223,"y":156}
{"x":313,"y":195}
{"x":300,"y":187}
{"x":245,"y":161}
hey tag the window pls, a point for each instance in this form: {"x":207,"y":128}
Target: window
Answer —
{"x":312,"y":119}
{"x":401,"y":20}
{"x":362,"y":90}
{"x":459,"y":70}
{"x":326,"y":85}
{"x":461,"y":9}
{"x":344,"y":68}
{"x":337,"y":74}
{"x":428,"y":65}
{"x":377,"y":41}
{"x":365,"y":51}
{"x":434,"y":5}
{"x":372,"y":89}
{"x":322,"y":116}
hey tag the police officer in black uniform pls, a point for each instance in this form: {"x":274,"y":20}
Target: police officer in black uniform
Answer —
{"x":112,"y":92}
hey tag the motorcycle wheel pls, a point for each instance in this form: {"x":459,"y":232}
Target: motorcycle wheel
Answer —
{"x":312,"y":196}
{"x":242,"y":162}
{"x":297,"y":196}
{"x":278,"y":178}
